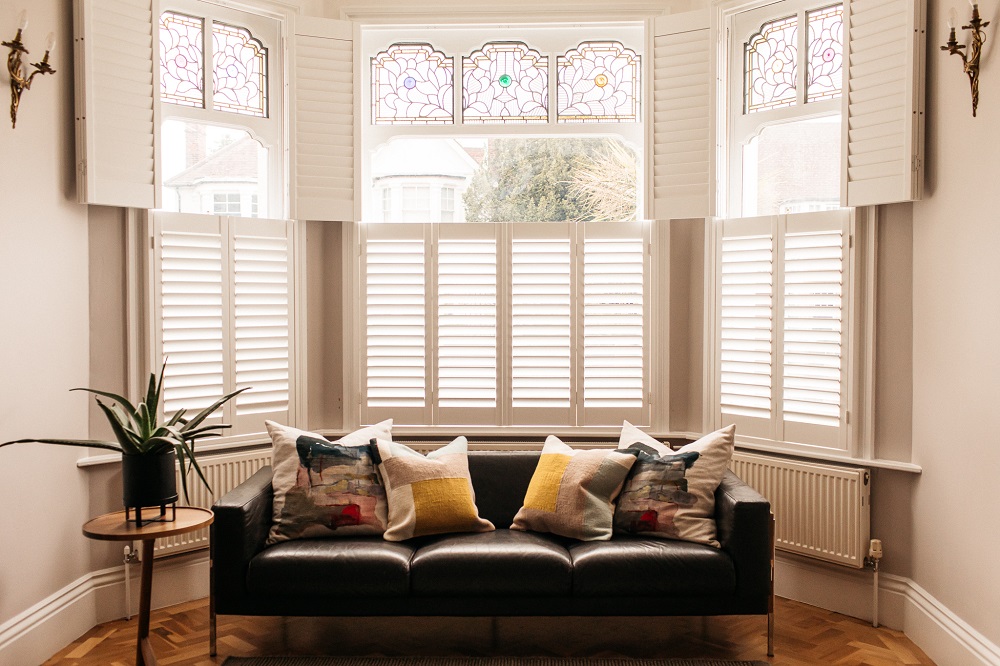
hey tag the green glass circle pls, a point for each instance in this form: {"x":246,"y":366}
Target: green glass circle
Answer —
{"x":505,"y":80}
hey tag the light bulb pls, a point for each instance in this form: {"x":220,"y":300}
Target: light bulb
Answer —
{"x":22,"y":20}
{"x":50,"y":42}
{"x":952,"y":17}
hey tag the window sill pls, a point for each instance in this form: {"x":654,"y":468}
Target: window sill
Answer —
{"x":878,"y":463}
{"x":229,"y":444}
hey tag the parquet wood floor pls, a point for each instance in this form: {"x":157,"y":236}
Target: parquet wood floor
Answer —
{"x":804,"y":635}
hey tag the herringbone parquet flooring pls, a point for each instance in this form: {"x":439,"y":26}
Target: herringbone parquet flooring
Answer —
{"x":804,"y":636}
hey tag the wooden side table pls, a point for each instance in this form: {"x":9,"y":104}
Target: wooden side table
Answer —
{"x":114,"y":527}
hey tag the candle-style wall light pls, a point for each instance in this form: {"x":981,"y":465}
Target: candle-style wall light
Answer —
{"x":970,"y":60}
{"x":19,"y":80}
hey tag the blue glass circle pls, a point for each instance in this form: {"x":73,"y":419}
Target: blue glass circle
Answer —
{"x":409,"y":83}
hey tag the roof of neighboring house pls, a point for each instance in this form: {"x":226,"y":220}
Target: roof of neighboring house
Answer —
{"x":236,"y":162}
{"x":422,"y":157}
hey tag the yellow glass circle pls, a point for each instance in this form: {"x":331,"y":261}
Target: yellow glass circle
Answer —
{"x":601,"y":80}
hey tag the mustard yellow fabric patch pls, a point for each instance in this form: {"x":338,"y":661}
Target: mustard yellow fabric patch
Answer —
{"x":443,"y":505}
{"x":543,"y":491}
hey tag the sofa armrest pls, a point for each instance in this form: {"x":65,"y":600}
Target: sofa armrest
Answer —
{"x":743,"y":523}
{"x":242,"y":522}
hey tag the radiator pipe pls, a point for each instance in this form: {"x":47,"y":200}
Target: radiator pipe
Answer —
{"x":131,"y":555}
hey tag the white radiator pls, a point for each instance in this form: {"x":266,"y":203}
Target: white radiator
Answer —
{"x":820,"y":510}
{"x":224,"y":472}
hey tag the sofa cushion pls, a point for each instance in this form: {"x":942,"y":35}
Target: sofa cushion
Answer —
{"x":501,"y":478}
{"x":345,"y":567}
{"x":642,"y":567}
{"x":494,"y":564}
{"x":429,"y":494}
{"x":571,"y":491}
{"x":324,"y":488}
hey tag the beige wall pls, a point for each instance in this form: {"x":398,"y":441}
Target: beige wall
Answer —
{"x":44,"y":335}
{"x":956,"y":339}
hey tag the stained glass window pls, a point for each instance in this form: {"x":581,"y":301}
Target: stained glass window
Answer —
{"x":412,"y":84}
{"x":239,"y":65}
{"x":598,"y":82}
{"x":770,"y":66}
{"x":181,"y":59}
{"x":506,"y":82}
{"x":825,"y":66}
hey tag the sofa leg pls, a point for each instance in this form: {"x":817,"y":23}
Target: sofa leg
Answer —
{"x":770,"y":600}
{"x":770,"y":634}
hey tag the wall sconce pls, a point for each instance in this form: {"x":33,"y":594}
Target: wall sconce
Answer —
{"x":19,"y":82}
{"x":970,"y":61}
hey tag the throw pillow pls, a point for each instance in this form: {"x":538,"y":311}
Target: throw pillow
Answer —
{"x":429,"y":494}
{"x":571,"y":491}
{"x":324,"y":488}
{"x":691,"y":516}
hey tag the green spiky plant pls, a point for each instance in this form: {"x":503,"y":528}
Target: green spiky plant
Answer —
{"x":138,"y":433}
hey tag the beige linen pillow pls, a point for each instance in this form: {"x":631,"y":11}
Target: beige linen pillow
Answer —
{"x":324,"y":488}
{"x":693,"y":517}
{"x":571,"y":491}
{"x":429,"y":494}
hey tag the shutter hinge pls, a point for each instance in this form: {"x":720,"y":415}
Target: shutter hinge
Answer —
{"x":850,"y":240}
{"x":916,"y":163}
{"x":81,"y":166}
{"x":848,"y":417}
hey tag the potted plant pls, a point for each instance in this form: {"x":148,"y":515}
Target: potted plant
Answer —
{"x":150,"y":450}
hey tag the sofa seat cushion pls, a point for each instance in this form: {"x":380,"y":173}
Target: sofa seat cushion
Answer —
{"x":342,"y":567}
{"x":642,"y":567}
{"x":491,"y":564}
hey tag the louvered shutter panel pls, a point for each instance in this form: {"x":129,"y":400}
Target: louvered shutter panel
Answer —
{"x":324,"y":120}
{"x":813,"y":362}
{"x":395,"y":266}
{"x":542,"y":314}
{"x":614,"y":332}
{"x":883,"y":102}
{"x":746,"y":367}
{"x":683,"y":115}
{"x":467,"y":291}
{"x":262,"y":316}
{"x":116,"y":102}
{"x":191,"y":309}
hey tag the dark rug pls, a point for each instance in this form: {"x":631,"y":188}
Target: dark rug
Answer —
{"x":476,"y":661}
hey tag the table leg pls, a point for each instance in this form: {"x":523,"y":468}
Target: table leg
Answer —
{"x":143,"y":651}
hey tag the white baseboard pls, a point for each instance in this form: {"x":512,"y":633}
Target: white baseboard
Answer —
{"x":946,"y":638}
{"x":31,"y":637}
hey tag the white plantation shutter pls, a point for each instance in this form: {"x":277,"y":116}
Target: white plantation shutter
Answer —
{"x":467,"y":294}
{"x":883,"y":104}
{"x":746,"y":325}
{"x":324,"y":118}
{"x":116,"y":102}
{"x":394,"y":273}
{"x":683,"y":117}
{"x":614,"y":359}
{"x":191,"y":310}
{"x":783,"y":311}
{"x":262,"y":309}
{"x":542,"y":342}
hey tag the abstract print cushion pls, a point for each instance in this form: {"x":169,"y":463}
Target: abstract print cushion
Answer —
{"x":571,"y":491}
{"x":429,"y":494}
{"x":691,"y":514}
{"x":324,"y":488}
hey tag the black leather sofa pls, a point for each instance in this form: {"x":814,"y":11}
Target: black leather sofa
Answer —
{"x":493,"y":574}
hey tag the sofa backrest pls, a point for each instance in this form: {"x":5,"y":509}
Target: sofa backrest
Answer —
{"x":500,"y":480}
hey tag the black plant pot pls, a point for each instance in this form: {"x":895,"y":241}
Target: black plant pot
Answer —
{"x":149,"y":480}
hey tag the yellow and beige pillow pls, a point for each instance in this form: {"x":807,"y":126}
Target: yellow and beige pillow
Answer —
{"x":429,"y":494}
{"x":677,"y":486}
{"x":324,"y":488}
{"x":572,"y":491}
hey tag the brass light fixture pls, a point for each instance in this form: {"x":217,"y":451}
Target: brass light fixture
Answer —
{"x":19,"y":80}
{"x":970,"y":60}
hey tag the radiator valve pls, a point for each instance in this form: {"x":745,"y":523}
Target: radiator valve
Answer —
{"x":874,"y":554}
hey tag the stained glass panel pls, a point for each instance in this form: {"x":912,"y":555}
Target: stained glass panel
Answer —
{"x":825,"y":67}
{"x":770,"y":66}
{"x":239,"y":65}
{"x":598,"y":82}
{"x":412,"y":84}
{"x":505,"y":82}
{"x":181,"y":59}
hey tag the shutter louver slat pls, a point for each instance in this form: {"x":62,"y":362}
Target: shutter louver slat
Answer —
{"x":813,"y":318}
{"x":541,"y":323}
{"x":396,"y":330}
{"x":467,"y":323}
{"x":192,"y":320}
{"x":746,"y":326}
{"x":613,"y":323}
{"x":261,"y":321}
{"x":115,"y":103}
